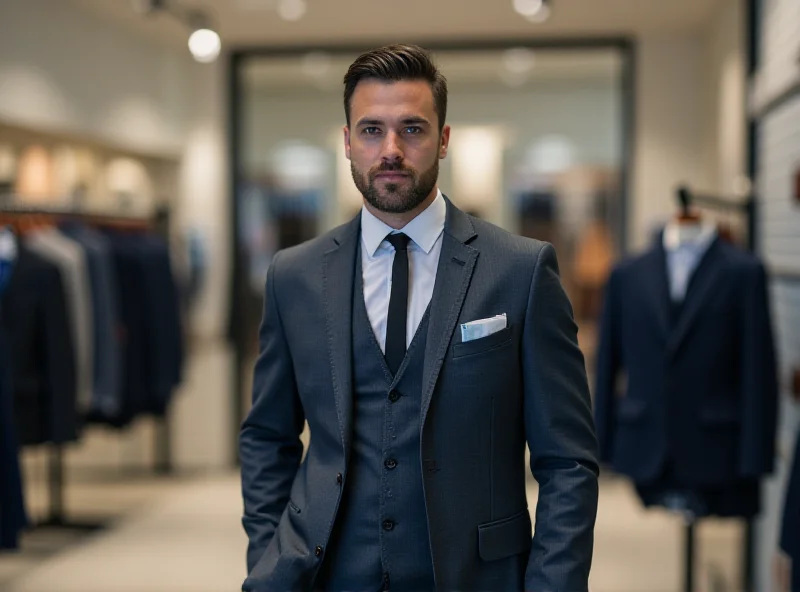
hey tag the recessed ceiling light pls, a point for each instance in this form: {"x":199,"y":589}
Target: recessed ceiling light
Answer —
{"x":528,"y":8}
{"x":536,"y":11}
{"x":542,"y":15}
{"x":205,"y":45}
{"x":292,"y":10}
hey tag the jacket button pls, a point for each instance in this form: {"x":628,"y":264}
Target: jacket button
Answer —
{"x":338,"y":478}
{"x":390,"y":464}
{"x":394,"y":396}
{"x":388,"y":525}
{"x":318,"y":551}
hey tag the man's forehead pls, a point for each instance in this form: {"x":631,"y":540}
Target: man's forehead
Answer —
{"x":372,"y":92}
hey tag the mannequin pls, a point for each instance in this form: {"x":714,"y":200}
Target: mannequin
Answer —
{"x":689,"y":323}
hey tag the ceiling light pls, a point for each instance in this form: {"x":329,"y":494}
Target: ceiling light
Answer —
{"x":536,"y":11}
{"x":542,"y":15}
{"x":528,"y":7}
{"x":292,"y":10}
{"x":205,"y":45}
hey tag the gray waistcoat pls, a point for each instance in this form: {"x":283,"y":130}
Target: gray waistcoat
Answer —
{"x":380,"y":538}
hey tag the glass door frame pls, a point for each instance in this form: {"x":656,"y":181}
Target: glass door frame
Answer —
{"x":238,"y":58}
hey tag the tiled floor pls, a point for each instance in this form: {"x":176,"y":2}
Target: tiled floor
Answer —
{"x":173,"y":535}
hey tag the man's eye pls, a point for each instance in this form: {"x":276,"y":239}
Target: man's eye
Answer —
{"x":413,"y":129}
{"x":372,"y":130}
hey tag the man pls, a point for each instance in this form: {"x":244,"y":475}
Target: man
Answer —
{"x":414,"y":478}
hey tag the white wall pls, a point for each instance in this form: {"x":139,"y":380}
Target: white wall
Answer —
{"x":62,"y":70}
{"x":727,"y":75}
{"x":65,"y":70}
{"x":202,"y":413}
{"x":779,"y":68}
{"x":672,"y":117}
{"x":779,"y":240}
{"x":779,"y":221}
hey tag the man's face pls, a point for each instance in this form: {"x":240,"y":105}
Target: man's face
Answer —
{"x":393,"y":143}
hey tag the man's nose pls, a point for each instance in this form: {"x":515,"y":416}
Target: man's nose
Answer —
{"x":392,"y":149}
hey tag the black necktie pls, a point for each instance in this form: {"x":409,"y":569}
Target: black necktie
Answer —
{"x":398,"y":304}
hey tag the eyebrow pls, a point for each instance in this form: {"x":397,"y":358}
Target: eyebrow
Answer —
{"x":410,"y":120}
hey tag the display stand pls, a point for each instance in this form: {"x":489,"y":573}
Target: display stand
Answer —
{"x":746,"y":208}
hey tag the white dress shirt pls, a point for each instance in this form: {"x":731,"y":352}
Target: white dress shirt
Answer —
{"x":377,"y":256}
{"x":685,"y":246}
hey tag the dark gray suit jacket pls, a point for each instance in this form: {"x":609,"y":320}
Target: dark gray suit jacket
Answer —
{"x":481,"y":402}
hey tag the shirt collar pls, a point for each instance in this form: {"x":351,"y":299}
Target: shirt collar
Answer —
{"x":696,"y":237}
{"x":424,"y":230}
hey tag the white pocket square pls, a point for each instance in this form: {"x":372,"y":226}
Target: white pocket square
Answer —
{"x":483,"y":327}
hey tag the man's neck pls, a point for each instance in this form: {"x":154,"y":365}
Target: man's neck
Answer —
{"x":398,"y":221}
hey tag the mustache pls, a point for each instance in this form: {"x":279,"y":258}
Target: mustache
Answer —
{"x":391,"y":168}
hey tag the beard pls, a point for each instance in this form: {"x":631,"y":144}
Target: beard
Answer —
{"x":396,"y":198}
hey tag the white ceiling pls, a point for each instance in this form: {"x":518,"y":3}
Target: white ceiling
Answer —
{"x":256,"y":22}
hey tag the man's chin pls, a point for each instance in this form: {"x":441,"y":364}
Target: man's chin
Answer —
{"x":390,"y":207}
{"x":392,"y":204}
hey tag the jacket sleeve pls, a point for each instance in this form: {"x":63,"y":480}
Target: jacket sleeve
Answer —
{"x":759,"y":397}
{"x":790,"y":527}
{"x":608,"y":365}
{"x":561,"y":436}
{"x":269,"y":443}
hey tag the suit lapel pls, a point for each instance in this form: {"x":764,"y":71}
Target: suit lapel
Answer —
{"x":453,"y":275}
{"x":338,"y":270}
{"x":658,"y":286}
{"x":702,"y":281}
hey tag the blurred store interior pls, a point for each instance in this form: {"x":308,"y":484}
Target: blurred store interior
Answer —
{"x":577,"y":122}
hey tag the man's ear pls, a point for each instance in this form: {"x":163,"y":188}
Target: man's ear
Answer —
{"x":347,"y":142}
{"x":444,"y":143}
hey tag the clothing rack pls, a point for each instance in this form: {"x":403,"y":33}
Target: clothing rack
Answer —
{"x":57,"y":516}
{"x":746,"y":207}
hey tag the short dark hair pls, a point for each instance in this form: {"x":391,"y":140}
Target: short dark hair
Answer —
{"x":393,"y":63}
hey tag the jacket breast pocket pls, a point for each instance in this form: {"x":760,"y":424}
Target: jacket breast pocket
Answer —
{"x":477,"y":346}
{"x":506,"y":537}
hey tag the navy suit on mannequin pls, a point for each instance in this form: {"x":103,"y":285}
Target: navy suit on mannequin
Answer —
{"x":699,"y":410}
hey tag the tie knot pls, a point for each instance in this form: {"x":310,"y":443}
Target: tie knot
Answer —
{"x":399,"y":241}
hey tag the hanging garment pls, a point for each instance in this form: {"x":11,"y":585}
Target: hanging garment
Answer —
{"x":700,"y":407}
{"x":163,"y":314}
{"x":107,"y":390}
{"x":13,"y":517}
{"x":71,"y":261}
{"x":12,"y":507}
{"x":40,"y":352}
{"x":149,"y":309}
